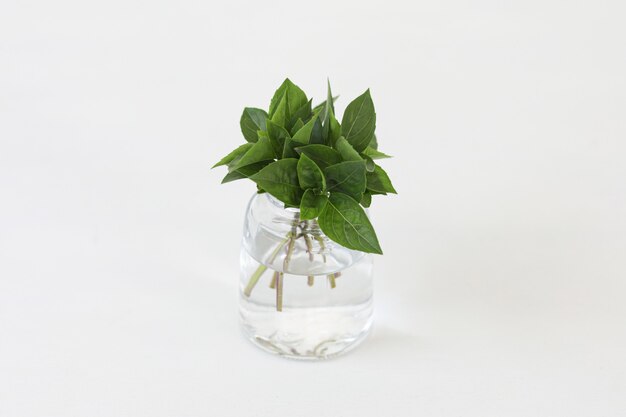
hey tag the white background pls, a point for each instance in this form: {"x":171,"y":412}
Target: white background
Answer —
{"x":502,"y":289}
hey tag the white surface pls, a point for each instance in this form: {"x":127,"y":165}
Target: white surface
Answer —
{"x":502,"y":289}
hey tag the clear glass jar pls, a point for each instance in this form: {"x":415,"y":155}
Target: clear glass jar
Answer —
{"x":301,"y":294}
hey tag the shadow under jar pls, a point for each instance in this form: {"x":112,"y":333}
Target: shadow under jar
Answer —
{"x":301,"y":295}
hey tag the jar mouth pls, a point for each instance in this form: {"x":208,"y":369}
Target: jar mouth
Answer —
{"x":271,"y":221}
{"x":280,"y":204}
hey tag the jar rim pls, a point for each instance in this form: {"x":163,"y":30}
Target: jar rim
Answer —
{"x":280,"y":204}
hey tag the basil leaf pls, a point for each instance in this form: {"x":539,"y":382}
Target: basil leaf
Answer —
{"x":366,"y":200}
{"x":316,"y":132}
{"x":359,"y":121}
{"x":329,"y":110}
{"x":289,"y":148}
{"x":322,"y":106}
{"x":309,"y":174}
{"x":296,"y":126}
{"x":304,"y":113}
{"x":375,"y":154}
{"x":294,"y":98}
{"x":347,"y":178}
{"x":322,"y":155}
{"x":346,"y":150}
{"x":304,"y":135}
{"x":312,"y":205}
{"x":244,"y":172}
{"x":277,"y":135}
{"x":374,"y":142}
{"x":330,"y":102}
{"x":370,"y":165}
{"x":234,"y":154}
{"x":379,"y":182}
{"x":344,"y":221}
{"x":252,"y":120}
{"x":260,"y":151}
{"x":280,"y":179}
{"x":281,"y":114}
{"x":334,"y":129}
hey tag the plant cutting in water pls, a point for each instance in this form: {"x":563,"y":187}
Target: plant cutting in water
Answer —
{"x":305,"y":158}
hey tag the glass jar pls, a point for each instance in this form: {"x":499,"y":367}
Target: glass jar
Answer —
{"x":301,"y":294}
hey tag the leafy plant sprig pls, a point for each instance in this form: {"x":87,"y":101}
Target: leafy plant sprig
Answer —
{"x":305,"y":158}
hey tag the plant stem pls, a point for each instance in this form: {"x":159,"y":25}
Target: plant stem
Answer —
{"x":293,"y":235}
{"x":274,"y":278}
{"x":254,"y":278}
{"x":309,"y":246}
{"x":320,"y":240}
{"x":279,"y":292}
{"x":310,"y":280}
{"x":331,"y":279}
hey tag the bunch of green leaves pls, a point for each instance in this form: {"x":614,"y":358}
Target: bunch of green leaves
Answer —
{"x":305,"y":158}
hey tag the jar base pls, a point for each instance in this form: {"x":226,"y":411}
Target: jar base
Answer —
{"x":327,"y":349}
{"x":307,"y":335}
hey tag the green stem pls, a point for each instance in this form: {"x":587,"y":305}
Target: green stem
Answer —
{"x":331,"y":279}
{"x":262,"y":267}
{"x":279,"y":292}
{"x":254,"y":279}
{"x":274,"y":278}
{"x":293,"y":235}
{"x":309,"y":246}
{"x":320,"y":240}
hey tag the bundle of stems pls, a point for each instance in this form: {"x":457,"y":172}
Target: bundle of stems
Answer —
{"x":307,"y":230}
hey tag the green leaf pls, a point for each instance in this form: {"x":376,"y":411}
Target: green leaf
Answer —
{"x":359,"y":121}
{"x":289,"y":148}
{"x":277,"y":135}
{"x":370,"y":165}
{"x":330,"y":102}
{"x":294,"y":99}
{"x":347,"y":178}
{"x":304,"y":113}
{"x":312,"y":205}
{"x":281,"y":114}
{"x":374,"y":142}
{"x":329,"y":110}
{"x":316,"y":133}
{"x":344,"y":221}
{"x":244,"y":172}
{"x":260,"y":151}
{"x":334,"y":129}
{"x":375,"y":154}
{"x":232,"y":176}
{"x":238,"y":152}
{"x":366,"y":200}
{"x":322,"y":106}
{"x":346,"y":150}
{"x":322,"y":155}
{"x":280,"y":179}
{"x":296,"y":126}
{"x":310,"y":175}
{"x":252,"y":120}
{"x":379,"y":182}
{"x":304,"y":135}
